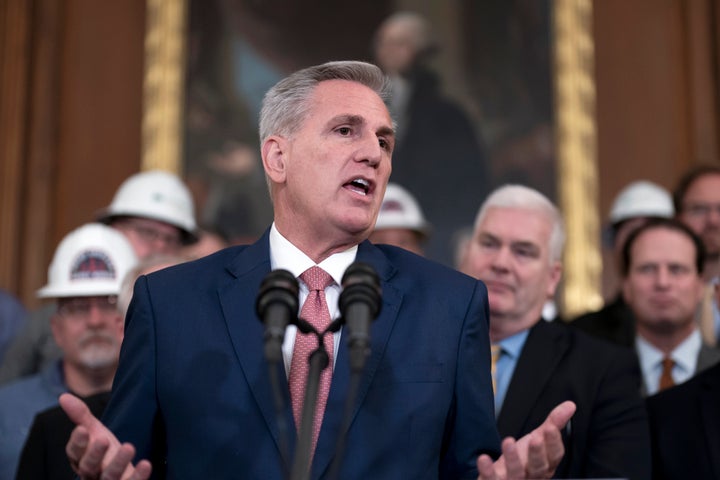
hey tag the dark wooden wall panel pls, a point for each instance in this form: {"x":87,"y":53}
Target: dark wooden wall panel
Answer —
{"x":75,"y":111}
{"x":15,"y":21}
{"x":100,"y":106}
{"x":656,"y":92}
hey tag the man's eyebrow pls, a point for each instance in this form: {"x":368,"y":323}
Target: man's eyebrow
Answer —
{"x":526,"y":244}
{"x":386,"y":131}
{"x":352,"y":119}
{"x":347,"y":118}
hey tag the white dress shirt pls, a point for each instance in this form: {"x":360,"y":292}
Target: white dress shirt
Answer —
{"x":685,"y":357}
{"x":285,"y":255}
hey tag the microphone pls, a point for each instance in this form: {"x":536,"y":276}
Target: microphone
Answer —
{"x":359,"y":305}
{"x":277,"y":306}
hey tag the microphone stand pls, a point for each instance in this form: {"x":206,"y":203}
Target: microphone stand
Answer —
{"x":357,"y":364}
{"x":345,"y":425}
{"x":318,"y":362}
{"x":278,"y":401}
{"x":277,"y":306}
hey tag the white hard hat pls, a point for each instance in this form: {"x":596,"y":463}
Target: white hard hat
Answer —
{"x":91,"y":260}
{"x":400,"y":210}
{"x":157,"y":195}
{"x":641,"y":199}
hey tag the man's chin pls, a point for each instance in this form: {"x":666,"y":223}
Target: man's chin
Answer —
{"x":96,"y":358}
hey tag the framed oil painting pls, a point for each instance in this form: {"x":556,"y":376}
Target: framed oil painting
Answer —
{"x":484,"y":94}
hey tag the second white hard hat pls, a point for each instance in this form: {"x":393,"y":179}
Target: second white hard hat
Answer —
{"x":641,"y":199}
{"x":91,"y":260}
{"x":399,"y":209}
{"x":157,"y":195}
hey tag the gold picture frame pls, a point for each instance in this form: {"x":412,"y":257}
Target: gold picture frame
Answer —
{"x":575,"y":127}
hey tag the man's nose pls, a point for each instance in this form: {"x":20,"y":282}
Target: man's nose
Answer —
{"x":164,"y":246}
{"x":501,"y":259}
{"x":370,"y":151}
{"x":96,"y":316}
{"x":662,"y":278}
{"x":713,"y":216}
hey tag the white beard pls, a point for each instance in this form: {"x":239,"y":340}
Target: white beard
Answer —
{"x":99,"y":355}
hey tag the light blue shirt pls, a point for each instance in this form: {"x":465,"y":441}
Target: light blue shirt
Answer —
{"x":20,"y":401}
{"x":511,"y":348}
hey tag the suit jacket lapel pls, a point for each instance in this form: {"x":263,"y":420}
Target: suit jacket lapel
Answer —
{"x":710,"y":414}
{"x":379,"y":335}
{"x":543,"y":350}
{"x":237,"y":298}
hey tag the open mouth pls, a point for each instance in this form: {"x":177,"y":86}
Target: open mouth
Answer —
{"x":359,"y":185}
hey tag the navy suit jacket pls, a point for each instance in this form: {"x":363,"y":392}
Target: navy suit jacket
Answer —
{"x":608,"y":435}
{"x":192,"y":391}
{"x":685,"y":428}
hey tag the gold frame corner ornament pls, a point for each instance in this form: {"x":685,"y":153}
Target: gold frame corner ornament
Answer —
{"x":576,"y":135}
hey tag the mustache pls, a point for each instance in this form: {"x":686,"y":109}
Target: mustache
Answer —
{"x":92,"y":337}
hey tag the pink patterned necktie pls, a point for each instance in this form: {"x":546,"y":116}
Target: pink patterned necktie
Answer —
{"x":314,"y":311}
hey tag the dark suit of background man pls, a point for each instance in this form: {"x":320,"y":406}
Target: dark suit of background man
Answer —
{"x":192,"y":392}
{"x":685,"y":428}
{"x":516,"y":250}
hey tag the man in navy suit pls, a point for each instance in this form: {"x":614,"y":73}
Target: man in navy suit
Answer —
{"x":516,"y":250}
{"x":192,"y":392}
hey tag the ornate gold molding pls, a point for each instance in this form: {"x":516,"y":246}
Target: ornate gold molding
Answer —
{"x":576,"y":135}
{"x":163,"y":85}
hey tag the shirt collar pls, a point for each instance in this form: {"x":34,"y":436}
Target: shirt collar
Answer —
{"x":285,"y":255}
{"x":513,"y":345}
{"x":684,"y":355}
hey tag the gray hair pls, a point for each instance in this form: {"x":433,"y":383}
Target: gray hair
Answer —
{"x":526,"y":198}
{"x":286,"y":105}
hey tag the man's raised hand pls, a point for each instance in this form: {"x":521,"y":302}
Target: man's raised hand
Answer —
{"x":93,"y":450}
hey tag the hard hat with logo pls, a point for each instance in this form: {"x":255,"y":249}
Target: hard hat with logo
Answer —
{"x":400,"y":210}
{"x":89,"y":261}
{"x":157,"y":195}
{"x":641,"y":199}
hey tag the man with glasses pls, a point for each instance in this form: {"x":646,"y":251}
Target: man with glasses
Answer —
{"x":155,"y":212}
{"x":697,"y":204}
{"x":84,"y":279}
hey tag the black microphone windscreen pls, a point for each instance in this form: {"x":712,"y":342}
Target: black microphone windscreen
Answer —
{"x":278,"y":287}
{"x":360,"y":284}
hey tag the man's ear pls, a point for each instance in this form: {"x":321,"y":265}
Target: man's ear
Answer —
{"x":274,"y":156}
{"x":555,"y":276}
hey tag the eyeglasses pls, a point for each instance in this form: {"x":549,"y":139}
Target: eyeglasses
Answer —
{"x":701,"y":209}
{"x":80,"y":307}
{"x":151,"y":235}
